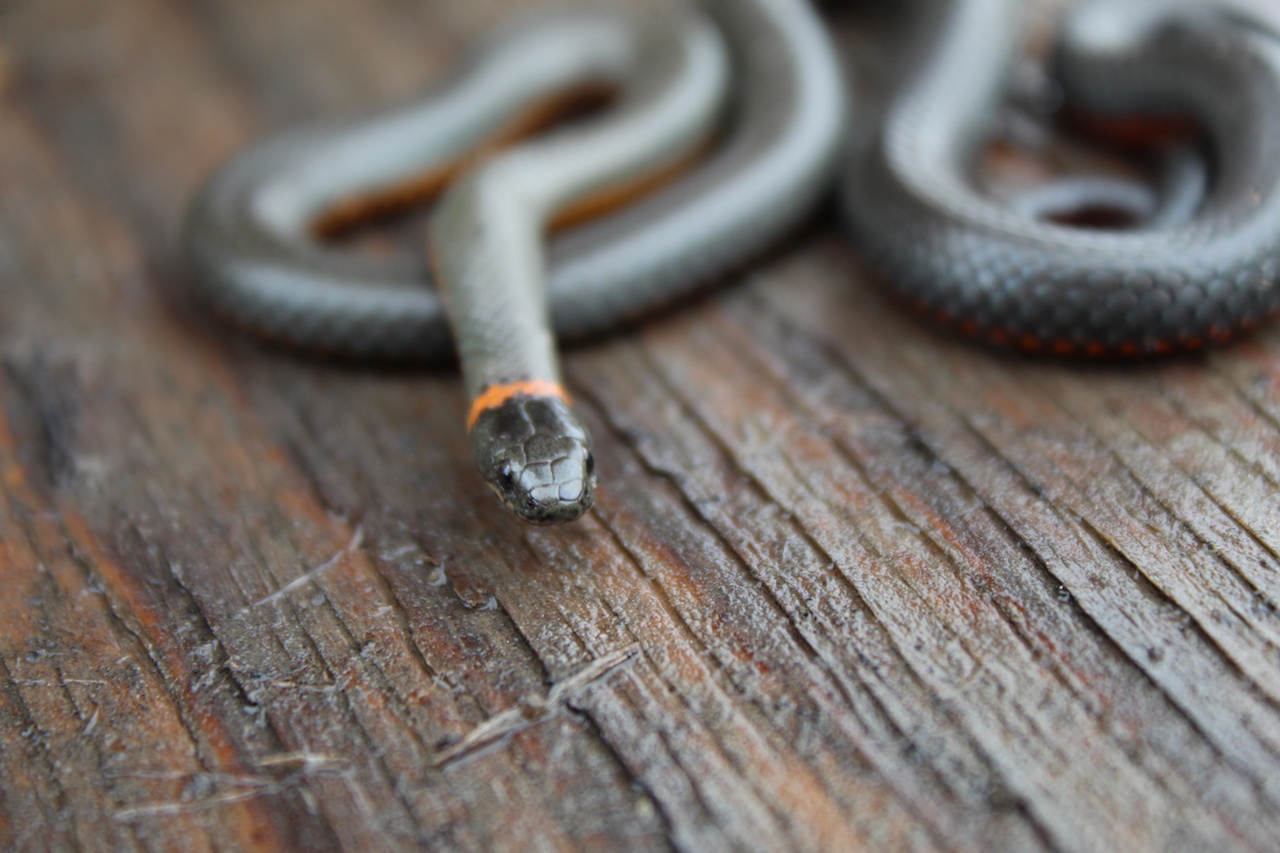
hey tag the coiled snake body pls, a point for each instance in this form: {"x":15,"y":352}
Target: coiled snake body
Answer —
{"x":250,"y":234}
{"x":1202,"y":272}
{"x":1041,"y":286}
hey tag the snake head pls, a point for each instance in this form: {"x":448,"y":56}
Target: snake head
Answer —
{"x":536,"y":455}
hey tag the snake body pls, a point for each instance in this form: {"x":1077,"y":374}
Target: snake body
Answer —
{"x":251,"y":233}
{"x":486,"y":238}
{"x":1203,"y":265}
{"x":1037,"y":285}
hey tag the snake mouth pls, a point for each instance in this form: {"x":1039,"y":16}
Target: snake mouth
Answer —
{"x":536,"y":455}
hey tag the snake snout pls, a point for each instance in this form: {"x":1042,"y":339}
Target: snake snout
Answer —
{"x":536,"y":455}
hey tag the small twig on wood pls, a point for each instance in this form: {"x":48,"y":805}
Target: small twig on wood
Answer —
{"x":308,"y":760}
{"x":179,"y":807}
{"x":530,"y":711}
{"x":59,"y":683}
{"x":357,"y":539}
{"x":250,"y":785}
{"x":93,"y":721}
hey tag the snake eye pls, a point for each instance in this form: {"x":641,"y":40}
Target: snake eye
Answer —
{"x":505,"y":478}
{"x":591,"y":464}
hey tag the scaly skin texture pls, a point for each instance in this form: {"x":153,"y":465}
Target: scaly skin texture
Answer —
{"x":487,"y":250}
{"x":250,"y":237}
{"x":1041,"y":286}
{"x":270,"y":276}
{"x":537,"y":456}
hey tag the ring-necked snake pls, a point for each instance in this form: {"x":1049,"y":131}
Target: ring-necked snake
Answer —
{"x":252,"y":240}
{"x":1202,"y":268}
{"x":1011,"y":279}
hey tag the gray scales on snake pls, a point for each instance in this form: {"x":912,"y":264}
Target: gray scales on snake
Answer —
{"x":254,"y":234}
{"x":1041,"y":286}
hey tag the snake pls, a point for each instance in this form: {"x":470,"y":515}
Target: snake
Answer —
{"x":724,"y":129}
{"x":1200,"y":269}
{"x":1121,"y":201}
{"x":1202,"y":274}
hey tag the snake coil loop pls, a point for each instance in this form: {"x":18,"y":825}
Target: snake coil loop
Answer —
{"x":1003,"y":276}
{"x":251,"y":234}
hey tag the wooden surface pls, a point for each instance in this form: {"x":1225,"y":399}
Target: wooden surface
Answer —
{"x":851,"y":584}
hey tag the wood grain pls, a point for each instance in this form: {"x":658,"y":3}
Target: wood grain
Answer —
{"x":851,"y":584}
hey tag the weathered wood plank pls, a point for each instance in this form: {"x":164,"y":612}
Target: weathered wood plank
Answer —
{"x":958,"y":422}
{"x":850,"y":584}
{"x":961,"y":650}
